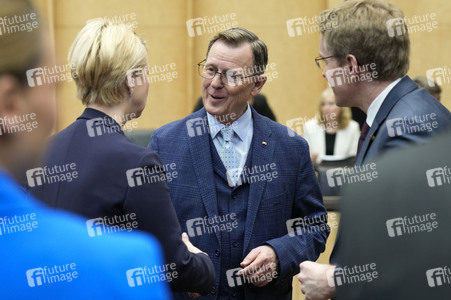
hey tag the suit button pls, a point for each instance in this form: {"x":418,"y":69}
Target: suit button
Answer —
{"x":217,"y":253}
{"x":235,"y":244}
{"x":233,"y":196}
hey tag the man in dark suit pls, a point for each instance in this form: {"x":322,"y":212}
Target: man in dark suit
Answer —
{"x":365,"y":58}
{"x":408,"y":115}
{"x":411,"y":259}
{"x":244,"y":184}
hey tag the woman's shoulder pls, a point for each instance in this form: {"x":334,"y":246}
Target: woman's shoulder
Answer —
{"x":114,"y":146}
{"x":130,"y":151}
{"x":353,"y":125}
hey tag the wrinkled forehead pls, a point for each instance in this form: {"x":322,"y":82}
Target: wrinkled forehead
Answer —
{"x":224,"y":56}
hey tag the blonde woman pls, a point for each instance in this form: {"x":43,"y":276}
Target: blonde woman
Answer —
{"x":119,"y":186}
{"x":332,"y":134}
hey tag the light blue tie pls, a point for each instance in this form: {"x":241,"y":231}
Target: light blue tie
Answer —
{"x":229,"y":156}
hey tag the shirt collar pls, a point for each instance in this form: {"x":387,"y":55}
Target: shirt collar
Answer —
{"x":377,"y":103}
{"x":240,"y":126}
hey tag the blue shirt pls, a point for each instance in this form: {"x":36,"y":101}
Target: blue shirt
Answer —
{"x":47,"y":254}
{"x":244,"y":131}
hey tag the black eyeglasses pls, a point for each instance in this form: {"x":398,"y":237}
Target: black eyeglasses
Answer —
{"x":320,"y":61}
{"x":231,"y":77}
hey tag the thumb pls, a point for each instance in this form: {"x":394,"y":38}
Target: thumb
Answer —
{"x":249,"y":258}
{"x":185,"y":238}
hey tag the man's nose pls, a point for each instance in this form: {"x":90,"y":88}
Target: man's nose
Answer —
{"x":216,"y":82}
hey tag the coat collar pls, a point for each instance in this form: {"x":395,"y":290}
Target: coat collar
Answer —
{"x":404,"y":87}
{"x":106,"y":120}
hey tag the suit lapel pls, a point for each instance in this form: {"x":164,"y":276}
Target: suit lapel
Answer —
{"x":261,"y":155}
{"x":199,"y":146}
{"x":405,"y":86}
{"x":366,"y":143}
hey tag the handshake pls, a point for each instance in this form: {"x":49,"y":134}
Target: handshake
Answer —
{"x":190,"y":246}
{"x":192,"y":249}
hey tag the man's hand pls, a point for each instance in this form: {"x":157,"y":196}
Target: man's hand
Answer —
{"x":260,"y":266}
{"x":313,"y":278}
{"x":191,"y":247}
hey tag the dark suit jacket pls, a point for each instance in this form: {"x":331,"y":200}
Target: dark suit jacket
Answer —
{"x":408,"y":101}
{"x":402,"y":260}
{"x":293,"y":194}
{"x":405,"y":101}
{"x":102,"y":189}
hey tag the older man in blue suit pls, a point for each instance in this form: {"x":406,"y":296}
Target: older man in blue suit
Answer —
{"x":246,"y":190}
{"x":365,"y":59}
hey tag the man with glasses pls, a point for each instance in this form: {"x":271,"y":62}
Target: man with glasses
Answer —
{"x":365,"y":59}
{"x":246,"y":191}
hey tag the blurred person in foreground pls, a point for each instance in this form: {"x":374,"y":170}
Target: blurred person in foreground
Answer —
{"x":365,"y":58}
{"x":429,"y":85}
{"x":46,"y":253}
{"x":119,"y":186}
{"x":332,"y":134}
{"x":244,"y":184}
{"x":409,"y":217}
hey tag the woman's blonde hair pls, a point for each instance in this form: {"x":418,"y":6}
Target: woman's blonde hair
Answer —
{"x":344,"y":117}
{"x":100,"y":57}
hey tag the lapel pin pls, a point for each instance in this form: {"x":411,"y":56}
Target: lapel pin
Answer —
{"x":265,"y":143}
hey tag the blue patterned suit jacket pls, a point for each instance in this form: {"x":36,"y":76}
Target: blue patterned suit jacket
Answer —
{"x":293,"y":194}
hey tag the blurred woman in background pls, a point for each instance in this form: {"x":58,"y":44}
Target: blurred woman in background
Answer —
{"x":332,"y":134}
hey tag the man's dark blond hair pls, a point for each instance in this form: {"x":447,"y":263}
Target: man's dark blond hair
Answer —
{"x":361,"y":28}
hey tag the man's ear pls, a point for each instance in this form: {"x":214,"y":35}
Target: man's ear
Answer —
{"x":352,"y":64}
{"x":11,"y":101}
{"x":258,"y":84}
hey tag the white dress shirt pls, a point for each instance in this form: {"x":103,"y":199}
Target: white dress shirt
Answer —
{"x":377,"y":103}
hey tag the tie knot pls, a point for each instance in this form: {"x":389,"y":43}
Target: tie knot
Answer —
{"x":227,"y":134}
